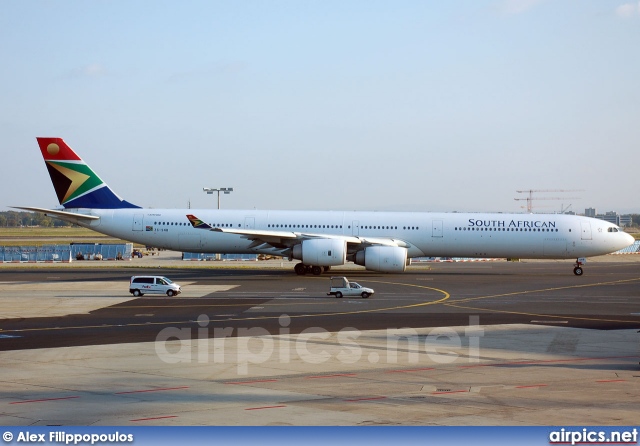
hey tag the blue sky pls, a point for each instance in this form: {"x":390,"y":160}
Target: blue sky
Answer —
{"x":344,"y":105}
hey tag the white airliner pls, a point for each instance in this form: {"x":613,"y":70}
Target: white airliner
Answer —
{"x":380,"y":241}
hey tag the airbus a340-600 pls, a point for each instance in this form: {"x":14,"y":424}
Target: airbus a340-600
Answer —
{"x":380,"y":241}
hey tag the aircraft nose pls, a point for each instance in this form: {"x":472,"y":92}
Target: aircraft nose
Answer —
{"x":629,"y":240}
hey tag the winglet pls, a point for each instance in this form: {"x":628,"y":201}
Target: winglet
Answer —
{"x":197,"y":223}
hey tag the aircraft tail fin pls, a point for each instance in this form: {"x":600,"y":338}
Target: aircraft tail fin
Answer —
{"x":76,"y":185}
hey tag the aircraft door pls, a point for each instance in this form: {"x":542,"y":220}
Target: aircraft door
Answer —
{"x":436,"y":228}
{"x":586,"y":230}
{"x":137,"y":222}
{"x":249,"y":223}
{"x":355,"y":227}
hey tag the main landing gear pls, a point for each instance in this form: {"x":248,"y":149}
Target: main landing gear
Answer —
{"x":577,"y":270}
{"x":301,"y":269}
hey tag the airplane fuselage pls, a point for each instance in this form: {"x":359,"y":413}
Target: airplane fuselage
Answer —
{"x":481,"y":235}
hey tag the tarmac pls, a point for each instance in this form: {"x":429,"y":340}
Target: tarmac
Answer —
{"x":251,"y":343}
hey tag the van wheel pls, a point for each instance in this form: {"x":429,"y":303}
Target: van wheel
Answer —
{"x":338,"y":295}
{"x":171,"y":293}
{"x":137,"y":293}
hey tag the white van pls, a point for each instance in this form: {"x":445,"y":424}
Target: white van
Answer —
{"x":340,"y":286}
{"x":141,"y":285}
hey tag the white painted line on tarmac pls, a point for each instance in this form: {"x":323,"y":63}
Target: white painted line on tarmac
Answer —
{"x":549,"y":322}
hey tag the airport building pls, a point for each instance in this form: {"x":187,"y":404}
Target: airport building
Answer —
{"x":626,"y":220}
{"x":615,"y":218}
{"x":611,"y":217}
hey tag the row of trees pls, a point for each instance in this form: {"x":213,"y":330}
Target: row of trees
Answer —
{"x":14,"y":219}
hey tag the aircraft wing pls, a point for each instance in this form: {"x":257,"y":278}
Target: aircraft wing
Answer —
{"x":62,"y":215}
{"x":281,"y":239}
{"x":287,"y":239}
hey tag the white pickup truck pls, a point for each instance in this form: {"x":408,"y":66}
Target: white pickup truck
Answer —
{"x":340,"y":286}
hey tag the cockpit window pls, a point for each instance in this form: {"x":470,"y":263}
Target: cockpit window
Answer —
{"x":612,"y":230}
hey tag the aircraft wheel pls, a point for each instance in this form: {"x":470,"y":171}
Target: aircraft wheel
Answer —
{"x":338,"y":295}
{"x":316,"y":270}
{"x":137,"y":293}
{"x":170,"y":293}
{"x":365,"y":295}
{"x":300,"y":269}
{"x":577,"y":271}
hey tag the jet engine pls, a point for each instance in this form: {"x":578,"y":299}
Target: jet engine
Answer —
{"x":321,"y":252}
{"x":386,"y":259}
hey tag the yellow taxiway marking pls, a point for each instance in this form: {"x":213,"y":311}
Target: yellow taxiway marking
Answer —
{"x":558,"y":316}
{"x":456,"y":303}
{"x":569,"y":287}
{"x":342,"y":313}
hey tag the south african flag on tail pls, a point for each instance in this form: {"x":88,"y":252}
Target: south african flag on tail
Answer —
{"x":76,"y":185}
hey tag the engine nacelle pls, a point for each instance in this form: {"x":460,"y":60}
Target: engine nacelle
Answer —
{"x":321,"y":252}
{"x":386,"y":259}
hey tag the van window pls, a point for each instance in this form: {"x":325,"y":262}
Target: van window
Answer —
{"x":161,"y":281}
{"x":143,"y":280}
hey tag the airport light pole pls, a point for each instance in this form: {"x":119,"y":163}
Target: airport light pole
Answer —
{"x":211,"y":190}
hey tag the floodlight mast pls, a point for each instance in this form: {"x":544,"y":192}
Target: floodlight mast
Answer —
{"x":211,"y":190}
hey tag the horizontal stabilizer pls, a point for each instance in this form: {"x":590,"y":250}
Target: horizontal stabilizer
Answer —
{"x":62,"y":215}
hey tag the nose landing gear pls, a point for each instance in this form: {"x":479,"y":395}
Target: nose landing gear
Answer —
{"x":577,"y":270}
